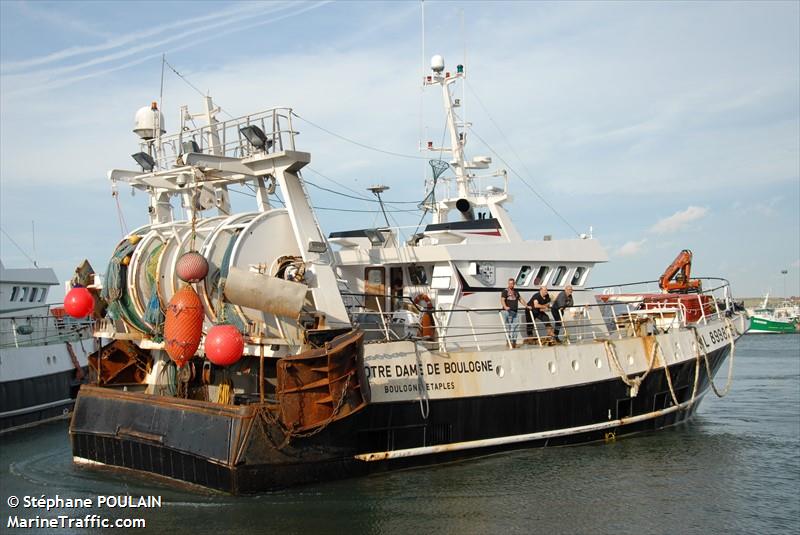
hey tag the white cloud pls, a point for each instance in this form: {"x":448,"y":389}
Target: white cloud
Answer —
{"x":679,"y":220}
{"x":631,"y":248}
{"x":796,"y":263}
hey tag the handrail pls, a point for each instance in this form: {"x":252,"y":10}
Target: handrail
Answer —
{"x":616,"y":317}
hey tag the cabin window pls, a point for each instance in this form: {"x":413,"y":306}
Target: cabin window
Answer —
{"x":43,"y":294}
{"x":34,"y":292}
{"x":523,"y":276}
{"x":417,"y":275}
{"x":541,"y":275}
{"x":442,"y":276}
{"x":577,"y":278}
{"x":25,"y":290}
{"x":14,"y":293}
{"x":558,"y":278}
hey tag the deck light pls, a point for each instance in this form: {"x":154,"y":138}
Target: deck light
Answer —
{"x":430,"y":145}
{"x":256,"y":137}
{"x":460,"y":69}
{"x":145,"y":161}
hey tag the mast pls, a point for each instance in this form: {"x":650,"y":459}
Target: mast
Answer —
{"x":468,"y":196}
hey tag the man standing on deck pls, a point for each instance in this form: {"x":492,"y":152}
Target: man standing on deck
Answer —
{"x":564,"y":300}
{"x":509,"y":300}
{"x":538,"y":305}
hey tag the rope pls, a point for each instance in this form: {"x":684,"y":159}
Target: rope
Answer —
{"x":669,"y":378}
{"x":224,"y":394}
{"x":425,"y":409}
{"x":729,"y":381}
{"x":694,"y":387}
{"x":362,"y":145}
{"x":167,"y":388}
{"x":635,"y":382}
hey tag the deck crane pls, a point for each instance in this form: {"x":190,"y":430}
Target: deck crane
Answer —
{"x":680,"y":270}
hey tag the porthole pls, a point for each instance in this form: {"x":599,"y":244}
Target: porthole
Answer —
{"x":500,"y":371}
{"x":551,"y":366}
{"x":598,"y":363}
{"x":575,"y":365}
{"x":630,"y":360}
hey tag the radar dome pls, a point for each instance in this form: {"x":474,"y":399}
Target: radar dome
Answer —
{"x":147,"y":120}
{"x":437,"y":63}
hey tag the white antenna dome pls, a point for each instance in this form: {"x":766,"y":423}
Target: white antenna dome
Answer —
{"x":148,"y":121}
{"x":437,"y":63}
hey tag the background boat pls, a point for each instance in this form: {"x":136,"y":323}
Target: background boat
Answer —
{"x":766,"y":319}
{"x":42,"y":350}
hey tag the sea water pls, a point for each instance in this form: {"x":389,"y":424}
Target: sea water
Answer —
{"x":735,"y":468}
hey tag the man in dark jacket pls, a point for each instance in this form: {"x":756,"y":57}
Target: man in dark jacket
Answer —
{"x":538,"y":305}
{"x":564,"y":300}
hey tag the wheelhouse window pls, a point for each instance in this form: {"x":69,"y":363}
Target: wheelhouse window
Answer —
{"x":417,"y":275}
{"x":558,"y":278}
{"x":14,"y":293}
{"x":25,"y":290}
{"x":43,"y":294}
{"x":523,"y":276}
{"x":541,"y":275}
{"x":34,"y":293}
{"x":577,"y":278}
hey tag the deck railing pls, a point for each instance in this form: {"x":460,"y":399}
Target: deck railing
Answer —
{"x":616,"y":317}
{"x":27,"y":331}
{"x":225,"y":138}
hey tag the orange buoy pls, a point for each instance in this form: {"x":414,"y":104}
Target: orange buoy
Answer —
{"x":224,"y":345}
{"x":79,"y":302}
{"x":183,"y":325}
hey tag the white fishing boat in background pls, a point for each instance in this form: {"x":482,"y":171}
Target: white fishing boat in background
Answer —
{"x":43,"y":352}
{"x":250,"y":351}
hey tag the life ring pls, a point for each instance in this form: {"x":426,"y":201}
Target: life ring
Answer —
{"x":427,"y":326}
{"x":423,"y":298}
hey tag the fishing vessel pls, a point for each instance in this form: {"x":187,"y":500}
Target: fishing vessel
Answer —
{"x":250,"y":351}
{"x":766,"y":319}
{"x":43,"y":352}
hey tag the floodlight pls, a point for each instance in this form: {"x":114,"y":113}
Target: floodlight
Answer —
{"x":190,"y":146}
{"x":317,"y":247}
{"x":256,"y":137}
{"x":145,"y":161}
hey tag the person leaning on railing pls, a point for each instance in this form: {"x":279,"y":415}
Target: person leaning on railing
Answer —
{"x":563,"y":301}
{"x":538,"y":306}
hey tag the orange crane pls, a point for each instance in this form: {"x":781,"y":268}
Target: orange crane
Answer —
{"x":680,"y":270}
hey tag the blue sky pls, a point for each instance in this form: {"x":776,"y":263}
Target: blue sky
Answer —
{"x":661,"y":126}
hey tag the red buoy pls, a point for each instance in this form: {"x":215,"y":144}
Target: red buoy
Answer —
{"x":191,"y":267}
{"x":224,"y":345}
{"x":79,"y":302}
{"x":183,"y":325}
